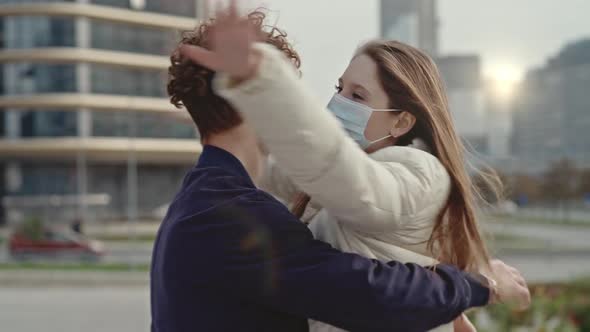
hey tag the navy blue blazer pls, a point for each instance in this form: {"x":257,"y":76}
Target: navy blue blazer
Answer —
{"x":230,"y":257}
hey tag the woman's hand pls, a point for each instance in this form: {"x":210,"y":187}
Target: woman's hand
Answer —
{"x":510,"y":286}
{"x":231,"y":46}
{"x":463,"y":324}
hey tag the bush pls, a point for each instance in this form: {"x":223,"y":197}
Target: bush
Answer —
{"x":559,"y":308}
{"x":32,"y":228}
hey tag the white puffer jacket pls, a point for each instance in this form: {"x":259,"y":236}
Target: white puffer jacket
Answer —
{"x":381,"y":206}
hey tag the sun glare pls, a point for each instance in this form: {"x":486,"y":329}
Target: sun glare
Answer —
{"x":505,"y":79}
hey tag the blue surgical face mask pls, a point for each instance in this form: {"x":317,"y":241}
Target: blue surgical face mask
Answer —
{"x":354,"y":118}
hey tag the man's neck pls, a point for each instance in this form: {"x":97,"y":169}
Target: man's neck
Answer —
{"x":242,"y":143}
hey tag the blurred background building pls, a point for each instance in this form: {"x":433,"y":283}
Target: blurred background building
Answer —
{"x":417,"y":23}
{"x":413,"y":22}
{"x":463,"y":80}
{"x":83,"y":103}
{"x":551,"y":115}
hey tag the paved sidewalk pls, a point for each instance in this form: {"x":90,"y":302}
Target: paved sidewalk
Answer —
{"x":74,"y":309}
{"x":58,"y":278}
{"x":123,"y":228}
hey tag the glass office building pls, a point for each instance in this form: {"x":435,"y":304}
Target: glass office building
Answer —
{"x":83,"y":103}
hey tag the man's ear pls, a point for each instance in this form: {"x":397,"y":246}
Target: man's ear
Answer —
{"x":403,"y":124}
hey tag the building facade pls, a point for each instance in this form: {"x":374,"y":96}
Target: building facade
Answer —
{"x":414,"y":22}
{"x":83,"y":104}
{"x":463,"y":83}
{"x":551,"y":114}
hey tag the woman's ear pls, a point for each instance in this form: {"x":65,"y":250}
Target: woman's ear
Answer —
{"x":404,"y":123}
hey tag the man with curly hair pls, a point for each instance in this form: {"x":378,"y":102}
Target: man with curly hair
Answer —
{"x":189,"y":84}
{"x":230,"y":257}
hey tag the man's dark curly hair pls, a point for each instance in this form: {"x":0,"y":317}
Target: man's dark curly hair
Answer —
{"x":190,"y":85}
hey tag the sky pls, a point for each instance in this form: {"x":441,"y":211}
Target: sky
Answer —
{"x":511,"y":36}
{"x":326,"y":34}
{"x":514,"y":34}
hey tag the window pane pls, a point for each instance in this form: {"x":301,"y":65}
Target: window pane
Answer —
{"x":28,"y":78}
{"x":36,"y":31}
{"x":129,"y":38}
{"x":2,"y":123}
{"x":48,"y":124}
{"x":158,"y":186}
{"x":118,"y":124}
{"x":172,"y":7}
{"x":47,"y":179}
{"x":33,"y":1}
{"x":125,"y":81}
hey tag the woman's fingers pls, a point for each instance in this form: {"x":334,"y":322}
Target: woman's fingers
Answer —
{"x":218,"y":9}
{"x":231,"y":41}
{"x":226,"y":15}
{"x":201,"y":56}
{"x":521,"y":282}
{"x":518,"y":276}
{"x":523,"y":300}
{"x":462,"y":324}
{"x":233,"y":10}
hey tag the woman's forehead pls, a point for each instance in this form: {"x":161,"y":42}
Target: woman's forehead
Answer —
{"x":362,"y":71}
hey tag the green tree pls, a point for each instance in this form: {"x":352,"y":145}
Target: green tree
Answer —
{"x":560,"y":181}
{"x":583,"y":187}
{"x":33,"y":228}
{"x":519,"y":185}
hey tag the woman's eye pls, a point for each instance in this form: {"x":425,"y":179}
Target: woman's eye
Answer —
{"x":357,"y":96}
{"x":338,"y":88}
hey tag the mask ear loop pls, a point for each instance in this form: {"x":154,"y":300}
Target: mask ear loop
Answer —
{"x":397,"y":110}
{"x":388,"y":110}
{"x":379,"y":140}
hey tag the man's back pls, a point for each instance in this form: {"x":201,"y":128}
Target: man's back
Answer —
{"x":207,"y":219}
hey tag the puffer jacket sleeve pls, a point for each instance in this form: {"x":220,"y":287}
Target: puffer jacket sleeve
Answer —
{"x":276,"y":182}
{"x":314,"y":151}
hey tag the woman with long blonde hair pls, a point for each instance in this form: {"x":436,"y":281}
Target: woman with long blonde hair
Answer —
{"x":385,"y":164}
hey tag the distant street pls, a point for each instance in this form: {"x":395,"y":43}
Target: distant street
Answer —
{"x":554,"y":267}
{"x":74,"y":309}
{"x":552,"y":235}
{"x":564,"y":253}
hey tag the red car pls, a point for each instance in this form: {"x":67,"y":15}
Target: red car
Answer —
{"x":55,"y":244}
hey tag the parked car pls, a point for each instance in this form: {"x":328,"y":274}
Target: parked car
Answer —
{"x":55,"y":244}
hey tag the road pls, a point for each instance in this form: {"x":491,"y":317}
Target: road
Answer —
{"x":553,"y":267}
{"x":537,"y":265}
{"x":74,"y":309}
{"x":553,"y":235}
{"x":117,"y":252}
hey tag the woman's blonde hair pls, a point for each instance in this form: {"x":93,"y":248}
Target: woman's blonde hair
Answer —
{"x":412,"y":82}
